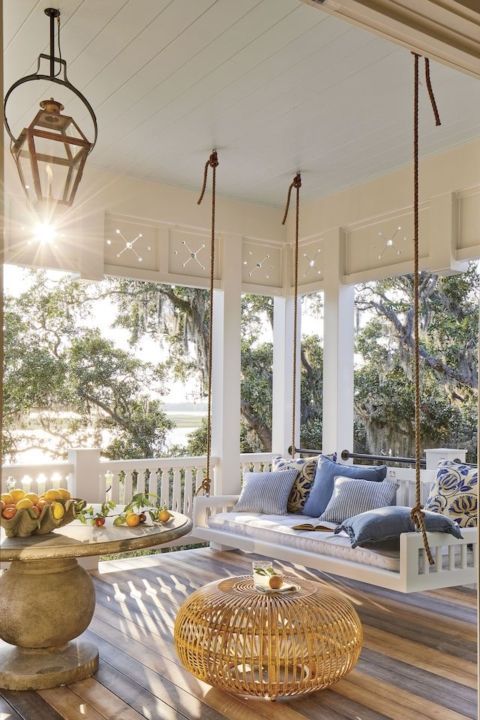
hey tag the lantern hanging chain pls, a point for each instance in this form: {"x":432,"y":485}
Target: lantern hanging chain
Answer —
{"x":213,"y":163}
{"x":417,"y":512}
{"x":297,"y":184}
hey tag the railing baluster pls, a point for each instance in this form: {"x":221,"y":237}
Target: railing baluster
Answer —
{"x":140,"y":488}
{"x":128,"y":487}
{"x":187,"y":492}
{"x":198,"y":477}
{"x":464,"y":556}
{"x":165,"y":494}
{"x":451,"y":557}
{"x":115,"y":492}
{"x":425,"y":563}
{"x":177,"y":491}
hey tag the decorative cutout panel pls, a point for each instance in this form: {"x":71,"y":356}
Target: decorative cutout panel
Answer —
{"x":130,"y":244}
{"x":261,"y":264}
{"x":310,"y":261}
{"x":384,"y":243}
{"x":189,"y":254}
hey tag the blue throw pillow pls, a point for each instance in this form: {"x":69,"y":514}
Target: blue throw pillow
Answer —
{"x":375,"y":526}
{"x":351,"y":497}
{"x":327,"y":470}
{"x":266,"y":492}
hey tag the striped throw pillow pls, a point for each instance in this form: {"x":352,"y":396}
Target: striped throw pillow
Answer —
{"x":351,"y":497}
{"x":266,"y":492}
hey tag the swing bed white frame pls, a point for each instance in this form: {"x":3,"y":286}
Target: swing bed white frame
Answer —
{"x":456,"y":561}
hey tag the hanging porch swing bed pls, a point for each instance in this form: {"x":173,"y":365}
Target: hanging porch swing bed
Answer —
{"x":349,"y":520}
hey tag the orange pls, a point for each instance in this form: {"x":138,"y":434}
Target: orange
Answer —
{"x":6,"y":498}
{"x":164,"y":516}
{"x":17,"y":494}
{"x":133,"y":519}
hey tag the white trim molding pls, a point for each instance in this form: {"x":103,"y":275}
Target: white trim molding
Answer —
{"x":446,"y":30}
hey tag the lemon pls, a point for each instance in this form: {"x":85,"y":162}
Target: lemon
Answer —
{"x":58,"y":511}
{"x":33,"y":497}
{"x":51,"y":495}
{"x":6,"y":498}
{"x":24,"y":503}
{"x":17,"y":494}
{"x":64,"y":494}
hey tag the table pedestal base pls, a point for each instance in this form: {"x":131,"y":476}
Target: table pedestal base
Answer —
{"x":37,"y":669}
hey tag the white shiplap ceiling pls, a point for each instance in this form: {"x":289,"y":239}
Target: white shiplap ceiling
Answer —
{"x":275,"y":85}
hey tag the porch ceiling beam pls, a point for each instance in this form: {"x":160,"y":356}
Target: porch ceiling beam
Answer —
{"x":445,"y":30}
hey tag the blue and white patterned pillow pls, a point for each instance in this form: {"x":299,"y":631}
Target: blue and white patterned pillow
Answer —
{"x":455,"y":493}
{"x":266,"y":492}
{"x":351,"y":497}
{"x":306,"y":469}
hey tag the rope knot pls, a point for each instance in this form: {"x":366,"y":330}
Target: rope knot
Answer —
{"x":213,"y":159}
{"x":417,"y":514}
{"x":297,"y":184}
{"x":204,"y":487}
{"x":213,"y":163}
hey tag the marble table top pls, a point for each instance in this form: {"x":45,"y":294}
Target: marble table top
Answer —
{"x":77,"y":540}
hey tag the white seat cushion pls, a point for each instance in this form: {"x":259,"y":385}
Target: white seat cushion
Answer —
{"x":278,"y":529}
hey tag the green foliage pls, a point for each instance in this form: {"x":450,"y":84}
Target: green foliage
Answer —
{"x":63,"y":378}
{"x":384,"y":389}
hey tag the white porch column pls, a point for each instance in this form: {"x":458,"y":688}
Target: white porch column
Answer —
{"x":283,"y":375}
{"x":87,"y":482}
{"x":338,"y":349}
{"x":226,"y":369}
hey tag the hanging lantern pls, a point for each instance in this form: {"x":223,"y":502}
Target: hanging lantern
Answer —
{"x":50,"y":153}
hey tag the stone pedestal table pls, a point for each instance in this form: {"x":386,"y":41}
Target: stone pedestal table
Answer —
{"x":47,"y":600}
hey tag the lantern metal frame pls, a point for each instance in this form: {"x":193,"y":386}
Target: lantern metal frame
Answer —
{"x":59,"y":78}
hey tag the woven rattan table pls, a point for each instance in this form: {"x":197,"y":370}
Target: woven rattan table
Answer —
{"x":273,"y":644}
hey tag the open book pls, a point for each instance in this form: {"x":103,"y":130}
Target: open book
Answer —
{"x":309,"y":526}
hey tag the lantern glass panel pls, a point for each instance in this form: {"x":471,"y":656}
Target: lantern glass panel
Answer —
{"x":51,"y":154}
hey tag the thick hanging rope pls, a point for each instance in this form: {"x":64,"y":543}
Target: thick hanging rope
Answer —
{"x":417,"y":513}
{"x":213,"y":163}
{"x":297,"y":184}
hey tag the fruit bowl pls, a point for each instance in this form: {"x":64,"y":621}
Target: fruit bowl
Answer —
{"x":35,"y":521}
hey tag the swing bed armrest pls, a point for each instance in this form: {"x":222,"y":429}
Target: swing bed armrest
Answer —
{"x":204,"y":507}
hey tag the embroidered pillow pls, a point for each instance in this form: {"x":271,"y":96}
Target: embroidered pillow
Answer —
{"x":388,"y":523}
{"x":305,"y":469}
{"x":455,"y":493}
{"x":266,"y":492}
{"x":352,"y":497}
{"x":327,"y":470}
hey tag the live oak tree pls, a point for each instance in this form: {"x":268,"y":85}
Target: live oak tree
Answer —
{"x":76,"y":385}
{"x":65,"y":385}
{"x":449,"y":373}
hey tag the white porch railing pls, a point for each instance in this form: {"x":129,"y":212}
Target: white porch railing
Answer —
{"x":173,"y":480}
{"x":38,"y":478}
{"x":256,"y":462}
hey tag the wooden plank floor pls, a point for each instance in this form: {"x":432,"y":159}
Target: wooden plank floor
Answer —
{"x":418,"y":660}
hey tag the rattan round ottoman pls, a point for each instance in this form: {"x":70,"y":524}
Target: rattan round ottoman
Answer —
{"x":276,"y":644}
